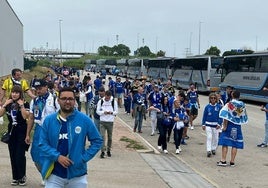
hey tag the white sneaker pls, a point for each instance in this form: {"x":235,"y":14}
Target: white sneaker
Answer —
{"x":166,"y":151}
{"x":192,"y":127}
{"x":177,"y":151}
{"x":159,"y":147}
{"x":43,"y":183}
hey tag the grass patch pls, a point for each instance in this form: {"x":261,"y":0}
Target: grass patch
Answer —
{"x":132,"y":143}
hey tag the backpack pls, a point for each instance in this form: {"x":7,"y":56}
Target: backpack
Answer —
{"x":112,"y":103}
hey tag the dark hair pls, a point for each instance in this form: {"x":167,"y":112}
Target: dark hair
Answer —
{"x":236,"y":94}
{"x":50,"y":85}
{"x":108,"y":93}
{"x":101,"y":89}
{"x":66,"y":89}
{"x":13,"y":72}
{"x":71,"y":83}
{"x":17,"y":89}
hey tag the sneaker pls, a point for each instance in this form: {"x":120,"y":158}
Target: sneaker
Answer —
{"x":232,"y":164}
{"x":262,"y":145}
{"x":165,"y":151}
{"x":152,"y":134}
{"x":183,"y":142}
{"x":102,"y":155}
{"x":43,"y":183}
{"x":192,"y":127}
{"x":209,"y":154}
{"x":186,"y":137}
{"x":15,"y":182}
{"x":159,"y":147}
{"x":221,"y":163}
{"x":109,"y":154}
{"x":22,"y":181}
{"x":177,"y":151}
{"x":213,"y":152}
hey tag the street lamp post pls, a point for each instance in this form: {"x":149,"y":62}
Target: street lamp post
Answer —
{"x":117,"y":38}
{"x":199,"y":38}
{"x":60,"y":41}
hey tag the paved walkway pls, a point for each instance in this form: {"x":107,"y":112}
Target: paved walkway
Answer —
{"x":126,"y":167}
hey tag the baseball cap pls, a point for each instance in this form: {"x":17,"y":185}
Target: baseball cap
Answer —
{"x":40,"y":83}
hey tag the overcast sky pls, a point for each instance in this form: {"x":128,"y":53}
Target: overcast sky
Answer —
{"x":169,"y":25}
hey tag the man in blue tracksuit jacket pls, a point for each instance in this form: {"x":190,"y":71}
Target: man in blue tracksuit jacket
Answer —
{"x":63,"y":144}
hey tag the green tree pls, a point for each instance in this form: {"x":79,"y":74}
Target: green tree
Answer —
{"x":105,"y":50}
{"x":213,"y":50}
{"x":160,"y":53}
{"x":237,"y":52}
{"x":143,"y":51}
{"x":121,"y":50}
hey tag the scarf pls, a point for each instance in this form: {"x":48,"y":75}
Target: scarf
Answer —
{"x":16,"y":82}
{"x":235,"y":112}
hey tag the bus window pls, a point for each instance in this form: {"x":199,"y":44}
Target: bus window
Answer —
{"x":264,"y":64}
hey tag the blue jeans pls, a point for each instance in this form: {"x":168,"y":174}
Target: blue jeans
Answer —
{"x":57,"y":182}
{"x":138,"y":121}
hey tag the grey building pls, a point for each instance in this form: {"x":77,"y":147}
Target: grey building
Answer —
{"x":11,"y":39}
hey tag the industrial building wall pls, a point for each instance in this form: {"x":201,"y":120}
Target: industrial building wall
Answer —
{"x":11,"y":39}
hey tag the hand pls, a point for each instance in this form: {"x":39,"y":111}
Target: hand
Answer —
{"x":65,"y":161}
{"x":20,"y":102}
{"x":224,"y":127}
{"x":27,"y":140}
{"x":8,"y":101}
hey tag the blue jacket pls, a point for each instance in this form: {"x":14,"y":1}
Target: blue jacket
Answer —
{"x":211,"y":115}
{"x":80,"y":128}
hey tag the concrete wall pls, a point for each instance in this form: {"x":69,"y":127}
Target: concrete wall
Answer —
{"x":11,"y":39}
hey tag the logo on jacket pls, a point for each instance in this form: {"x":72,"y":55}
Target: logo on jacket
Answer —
{"x":77,"y":130}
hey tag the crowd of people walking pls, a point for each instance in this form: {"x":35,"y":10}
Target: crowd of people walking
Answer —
{"x":61,"y":99}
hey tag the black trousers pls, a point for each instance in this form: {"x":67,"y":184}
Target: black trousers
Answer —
{"x":16,"y":148}
{"x":177,"y":137}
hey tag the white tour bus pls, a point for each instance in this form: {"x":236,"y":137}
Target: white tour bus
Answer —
{"x":136,"y":68}
{"x":200,"y":70}
{"x":248,"y":74}
{"x":159,"y":68}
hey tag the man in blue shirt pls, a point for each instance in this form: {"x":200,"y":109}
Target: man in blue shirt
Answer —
{"x":194,"y":101}
{"x":63,"y":144}
{"x":119,"y":91}
{"x":97,"y":83}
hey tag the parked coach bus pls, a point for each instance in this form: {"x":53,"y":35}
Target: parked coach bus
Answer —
{"x":248,"y":74}
{"x":159,"y":68}
{"x":136,"y":68}
{"x":200,"y":70}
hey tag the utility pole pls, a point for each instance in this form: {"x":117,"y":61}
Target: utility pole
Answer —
{"x":199,"y":38}
{"x":60,"y":41}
